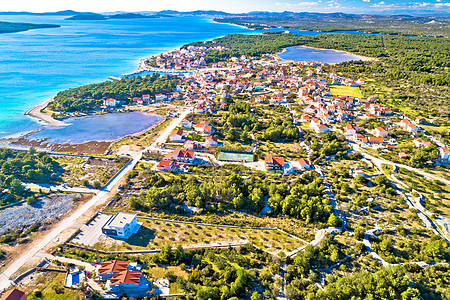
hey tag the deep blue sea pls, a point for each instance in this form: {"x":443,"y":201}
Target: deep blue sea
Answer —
{"x":36,"y":64}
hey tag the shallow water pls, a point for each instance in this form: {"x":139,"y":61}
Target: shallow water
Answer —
{"x":107,"y":127}
{"x":308,"y":54}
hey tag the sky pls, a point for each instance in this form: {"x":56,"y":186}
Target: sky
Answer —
{"x":232,"y":6}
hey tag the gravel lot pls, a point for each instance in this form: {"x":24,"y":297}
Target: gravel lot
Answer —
{"x":46,"y":209}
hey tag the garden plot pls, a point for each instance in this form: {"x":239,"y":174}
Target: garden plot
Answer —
{"x":154,"y":234}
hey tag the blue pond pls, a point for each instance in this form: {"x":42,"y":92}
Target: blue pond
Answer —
{"x":107,"y":127}
{"x":301,"y":53}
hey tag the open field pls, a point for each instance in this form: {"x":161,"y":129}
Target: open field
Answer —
{"x":339,"y":90}
{"x":51,"y":285}
{"x":155,"y":234}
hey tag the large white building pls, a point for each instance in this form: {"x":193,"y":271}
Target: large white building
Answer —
{"x":121,"y":225}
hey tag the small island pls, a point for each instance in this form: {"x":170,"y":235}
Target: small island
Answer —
{"x":10,"y":27}
{"x":94,"y":16}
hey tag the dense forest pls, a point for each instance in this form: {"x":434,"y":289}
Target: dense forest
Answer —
{"x":7,"y":27}
{"x":18,"y":167}
{"x":88,"y":97}
{"x":304,"y":198}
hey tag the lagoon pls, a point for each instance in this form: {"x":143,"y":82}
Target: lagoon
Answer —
{"x":108,"y":127}
{"x":302,"y":53}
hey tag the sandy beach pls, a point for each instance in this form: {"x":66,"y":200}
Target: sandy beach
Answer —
{"x":35,"y":112}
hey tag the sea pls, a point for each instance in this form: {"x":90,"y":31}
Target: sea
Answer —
{"x":36,"y":64}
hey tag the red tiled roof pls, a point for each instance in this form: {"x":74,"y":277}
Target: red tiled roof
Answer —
{"x":274,"y":160}
{"x":113,"y":266}
{"x":13,"y":294}
{"x":130,"y":277}
{"x":303,"y":161}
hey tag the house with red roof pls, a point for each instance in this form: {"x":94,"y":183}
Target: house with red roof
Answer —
{"x":380,"y":132}
{"x":350,"y":129}
{"x":111,"y":102}
{"x":181,"y":155}
{"x":273,"y":163}
{"x":444,"y":154}
{"x":211,"y":141}
{"x":167,"y":165}
{"x":304,"y":164}
{"x":105,"y":270}
{"x":205,"y":128}
{"x":14,"y":294}
{"x":131,"y":283}
{"x":176,"y":136}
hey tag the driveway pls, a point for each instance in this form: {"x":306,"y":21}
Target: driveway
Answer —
{"x":90,"y":233}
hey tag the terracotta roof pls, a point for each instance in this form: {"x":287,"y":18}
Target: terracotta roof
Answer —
{"x":113,"y":266}
{"x":274,"y":160}
{"x":179,"y":132}
{"x":13,"y":294}
{"x":303,"y":161}
{"x":130,"y":277}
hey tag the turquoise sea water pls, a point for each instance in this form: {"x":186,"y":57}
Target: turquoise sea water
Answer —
{"x":36,"y":64}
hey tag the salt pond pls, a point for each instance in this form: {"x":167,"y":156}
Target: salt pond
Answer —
{"x":108,"y":127}
{"x":302,"y":53}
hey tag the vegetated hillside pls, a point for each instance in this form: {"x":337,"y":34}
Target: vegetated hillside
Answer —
{"x":395,"y":24}
{"x":8,"y":27}
{"x":87,"y":97}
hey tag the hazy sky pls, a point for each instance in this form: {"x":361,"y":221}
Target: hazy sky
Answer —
{"x":349,"y":6}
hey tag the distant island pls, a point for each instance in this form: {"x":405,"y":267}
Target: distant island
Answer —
{"x":9,"y":27}
{"x":94,"y":16}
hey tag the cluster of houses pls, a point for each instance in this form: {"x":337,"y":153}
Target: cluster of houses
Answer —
{"x":270,"y":82}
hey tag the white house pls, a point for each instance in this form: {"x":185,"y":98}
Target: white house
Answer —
{"x":121,"y":225}
{"x":211,"y":141}
{"x":380,"y":132}
{"x":186,"y":124}
{"x":111,"y":102}
{"x":160,"y":97}
{"x":176,"y":136}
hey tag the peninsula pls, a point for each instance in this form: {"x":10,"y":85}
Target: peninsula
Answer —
{"x":9,"y":27}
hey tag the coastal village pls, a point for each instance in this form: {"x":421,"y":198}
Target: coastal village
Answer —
{"x":266,"y":127}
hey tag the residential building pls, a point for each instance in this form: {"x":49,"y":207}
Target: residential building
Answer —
{"x":167,"y":165}
{"x":14,"y":294}
{"x":176,"y":136}
{"x":273,"y":163}
{"x":121,"y":225}
{"x":380,"y":132}
{"x":132,"y":283}
{"x":211,"y":141}
{"x":444,"y":154}
{"x":304,"y":164}
{"x":105,"y":270}
{"x":181,"y":155}
{"x":186,"y":124}
{"x":111,"y":102}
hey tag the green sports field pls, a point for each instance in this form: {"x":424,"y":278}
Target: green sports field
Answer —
{"x":352,"y":91}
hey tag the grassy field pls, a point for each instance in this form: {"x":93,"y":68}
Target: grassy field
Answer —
{"x":154,"y":234}
{"x":339,"y":90}
{"x":51,"y":285}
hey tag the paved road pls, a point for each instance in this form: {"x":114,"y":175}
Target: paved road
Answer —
{"x":71,"y":220}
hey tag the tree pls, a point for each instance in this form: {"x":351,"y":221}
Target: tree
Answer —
{"x":333,"y":221}
{"x":85,"y":182}
{"x":97,"y":184}
{"x":255,"y":296}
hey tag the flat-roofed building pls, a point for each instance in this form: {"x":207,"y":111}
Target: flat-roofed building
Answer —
{"x":121,"y":225}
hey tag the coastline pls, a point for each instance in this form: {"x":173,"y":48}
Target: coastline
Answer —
{"x":35,"y":112}
{"x":361,"y":57}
